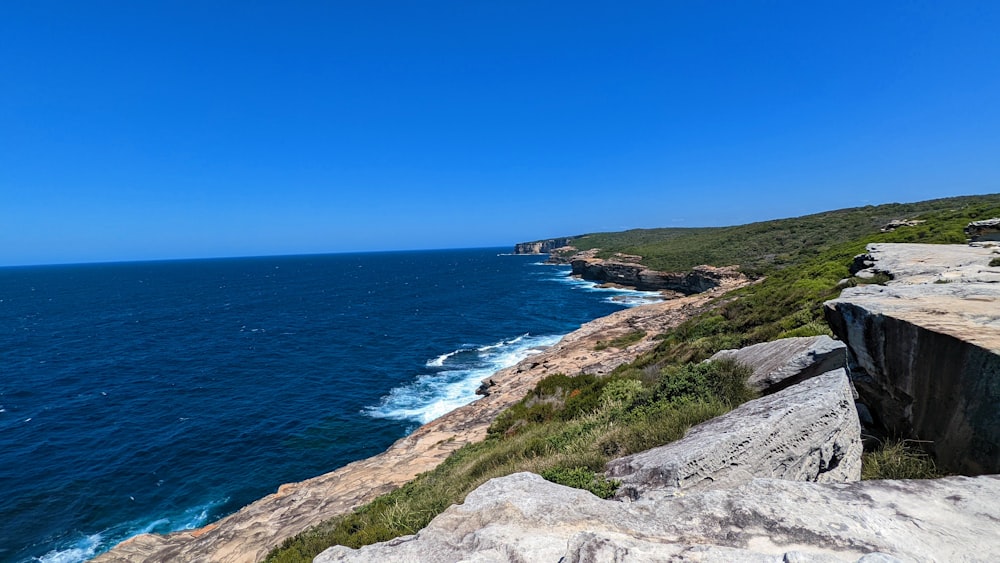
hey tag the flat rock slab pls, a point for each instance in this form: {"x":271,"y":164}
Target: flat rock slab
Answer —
{"x":781,"y":363}
{"x":929,"y":263}
{"x":524,"y":518}
{"x":808,"y":432}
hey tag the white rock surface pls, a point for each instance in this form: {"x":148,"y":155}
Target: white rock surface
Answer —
{"x":807,"y":432}
{"x":524,"y":518}
{"x":781,"y":363}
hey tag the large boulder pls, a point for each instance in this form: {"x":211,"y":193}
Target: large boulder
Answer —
{"x":928,"y":353}
{"x":785,"y":362}
{"x":524,"y":518}
{"x":808,"y":432}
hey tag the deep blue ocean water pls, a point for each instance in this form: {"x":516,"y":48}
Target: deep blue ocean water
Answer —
{"x":159,"y":396}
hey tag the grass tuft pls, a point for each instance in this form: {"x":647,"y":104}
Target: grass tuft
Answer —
{"x":899,"y":459}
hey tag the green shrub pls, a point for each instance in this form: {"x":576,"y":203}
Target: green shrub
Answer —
{"x":995,"y":261}
{"x":582,"y":478}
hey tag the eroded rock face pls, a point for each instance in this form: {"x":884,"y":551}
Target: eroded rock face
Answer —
{"x":808,"y":432}
{"x":781,"y":363}
{"x":929,"y":352}
{"x":698,"y":280}
{"x":541,"y":246}
{"x":987,"y":229}
{"x":524,"y":518}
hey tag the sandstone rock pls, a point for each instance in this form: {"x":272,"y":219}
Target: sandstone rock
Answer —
{"x":698,"y":280}
{"x":781,"y":363}
{"x":524,"y":518}
{"x":541,"y":246}
{"x":929,"y":352}
{"x":988,"y":229}
{"x":808,"y":432}
{"x":897,"y":223}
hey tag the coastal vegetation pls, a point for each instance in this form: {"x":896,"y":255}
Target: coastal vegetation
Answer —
{"x":570,"y":425}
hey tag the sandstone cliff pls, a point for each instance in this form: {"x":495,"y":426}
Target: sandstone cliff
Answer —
{"x":927,"y":349}
{"x":541,"y":246}
{"x":631,"y":274}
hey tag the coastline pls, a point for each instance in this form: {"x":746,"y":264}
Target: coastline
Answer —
{"x":250,"y":533}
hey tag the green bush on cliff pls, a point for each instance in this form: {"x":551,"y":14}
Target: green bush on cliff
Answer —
{"x":583,"y":478}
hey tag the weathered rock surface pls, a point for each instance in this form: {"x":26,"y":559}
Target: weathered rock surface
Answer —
{"x":524,"y":518}
{"x":698,"y":280}
{"x":929,"y":263}
{"x":541,"y":246}
{"x":249,"y":534}
{"x":930,"y":352}
{"x":987,"y":229}
{"x":808,"y":432}
{"x":781,"y":363}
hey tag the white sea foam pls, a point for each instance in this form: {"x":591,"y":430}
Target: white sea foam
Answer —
{"x":624,"y":297}
{"x":440,"y":360}
{"x":90,"y":546}
{"x":435,"y":394}
{"x":82,"y":550}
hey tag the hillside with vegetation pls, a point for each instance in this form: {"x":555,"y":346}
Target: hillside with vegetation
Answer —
{"x":570,"y":425}
{"x":759,"y":248}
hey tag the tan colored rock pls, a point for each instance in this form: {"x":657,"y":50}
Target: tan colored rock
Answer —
{"x":249,"y":534}
{"x":697,"y":280}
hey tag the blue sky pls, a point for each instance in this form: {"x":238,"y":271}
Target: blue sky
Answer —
{"x":150,"y":130}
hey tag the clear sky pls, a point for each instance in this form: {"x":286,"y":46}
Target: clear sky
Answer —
{"x":148,"y":130}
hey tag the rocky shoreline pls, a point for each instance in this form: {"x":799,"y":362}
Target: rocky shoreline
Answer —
{"x":249,"y":534}
{"x":778,"y":478}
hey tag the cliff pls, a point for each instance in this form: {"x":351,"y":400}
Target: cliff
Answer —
{"x":632,"y":274}
{"x":776,"y":479}
{"x":926,"y":349}
{"x":542,"y":246}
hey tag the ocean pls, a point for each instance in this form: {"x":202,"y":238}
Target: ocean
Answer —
{"x":159,"y":396}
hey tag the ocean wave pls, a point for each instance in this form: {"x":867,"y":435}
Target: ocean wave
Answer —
{"x":432,"y":395}
{"x":83,"y":548}
{"x":620,"y":296}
